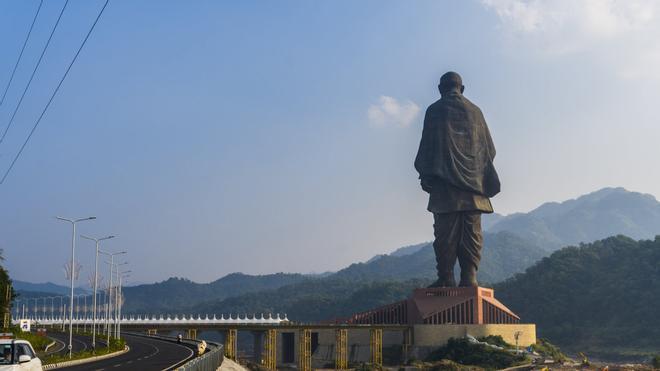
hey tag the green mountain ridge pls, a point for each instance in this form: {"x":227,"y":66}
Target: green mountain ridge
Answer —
{"x":175,"y":294}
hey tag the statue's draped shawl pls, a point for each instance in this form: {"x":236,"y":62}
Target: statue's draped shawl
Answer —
{"x":456,"y":146}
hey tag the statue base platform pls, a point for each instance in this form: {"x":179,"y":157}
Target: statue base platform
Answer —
{"x":441,"y":305}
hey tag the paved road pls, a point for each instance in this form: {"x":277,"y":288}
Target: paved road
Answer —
{"x":145,"y":355}
{"x":79,"y":342}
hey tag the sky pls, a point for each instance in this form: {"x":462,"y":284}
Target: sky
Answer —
{"x":254,"y":136}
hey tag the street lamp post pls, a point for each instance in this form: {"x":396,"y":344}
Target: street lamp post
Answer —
{"x":52,"y":308}
{"x":73,"y":267}
{"x":121,"y":302}
{"x":61,"y":311}
{"x":77,"y":312}
{"x":96,"y":282}
{"x":111,"y":262}
{"x":35,"y":310}
{"x":117,"y":308}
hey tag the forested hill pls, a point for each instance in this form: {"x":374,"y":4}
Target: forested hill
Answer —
{"x":601,"y":297}
{"x":177,"y":294}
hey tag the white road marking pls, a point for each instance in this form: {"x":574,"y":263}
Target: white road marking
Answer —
{"x":192,"y":354}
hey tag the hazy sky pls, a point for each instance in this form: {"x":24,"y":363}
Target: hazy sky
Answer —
{"x":215,"y":137}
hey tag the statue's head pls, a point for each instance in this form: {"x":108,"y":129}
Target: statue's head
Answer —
{"x":450,"y":82}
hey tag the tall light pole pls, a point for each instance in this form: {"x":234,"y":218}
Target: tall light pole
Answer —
{"x":111,"y":262}
{"x":117,"y":298}
{"x":35,"y":310}
{"x":44,"y":308}
{"x":121,"y":302}
{"x":52,"y":307}
{"x":73,"y":267}
{"x":96,"y":282}
{"x":61,"y":311}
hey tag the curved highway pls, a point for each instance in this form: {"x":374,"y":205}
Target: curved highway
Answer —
{"x":145,"y":354}
{"x":79,"y":343}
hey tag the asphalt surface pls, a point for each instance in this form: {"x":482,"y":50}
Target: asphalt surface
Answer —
{"x":145,"y":354}
{"x":79,"y":343}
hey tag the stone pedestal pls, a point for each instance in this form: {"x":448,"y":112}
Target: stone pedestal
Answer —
{"x":441,"y":305}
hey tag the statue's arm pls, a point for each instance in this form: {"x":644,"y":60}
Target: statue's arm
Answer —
{"x":426,"y":147}
{"x":489,"y":139}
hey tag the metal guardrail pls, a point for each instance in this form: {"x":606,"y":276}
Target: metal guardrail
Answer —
{"x":209,"y":361}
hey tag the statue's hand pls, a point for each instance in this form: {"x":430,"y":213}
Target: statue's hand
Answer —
{"x":427,"y":185}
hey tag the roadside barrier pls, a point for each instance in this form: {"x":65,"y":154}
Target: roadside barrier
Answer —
{"x":210,"y":360}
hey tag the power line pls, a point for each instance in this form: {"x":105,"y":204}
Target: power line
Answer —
{"x":20,"y":55}
{"x":66,"y":73}
{"x":34,"y":71}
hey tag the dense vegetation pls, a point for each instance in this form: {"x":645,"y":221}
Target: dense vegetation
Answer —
{"x":6,"y":292}
{"x":601,"y":297}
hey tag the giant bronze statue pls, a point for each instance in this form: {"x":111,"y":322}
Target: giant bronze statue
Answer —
{"x":455,"y":165}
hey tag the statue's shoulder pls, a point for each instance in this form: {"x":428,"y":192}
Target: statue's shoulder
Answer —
{"x":436,"y":107}
{"x":469,"y":103}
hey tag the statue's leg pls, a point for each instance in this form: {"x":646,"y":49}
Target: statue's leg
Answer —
{"x":447,"y":231}
{"x":469,"y":248}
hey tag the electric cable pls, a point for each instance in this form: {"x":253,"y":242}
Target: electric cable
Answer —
{"x":66,"y":73}
{"x":20,"y":55}
{"x":34,"y":71}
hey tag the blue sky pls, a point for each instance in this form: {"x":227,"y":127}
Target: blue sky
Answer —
{"x":215,"y":137}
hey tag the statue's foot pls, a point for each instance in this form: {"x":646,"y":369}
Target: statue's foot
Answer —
{"x":444,"y":283}
{"x":468,"y":283}
{"x":469,"y":277}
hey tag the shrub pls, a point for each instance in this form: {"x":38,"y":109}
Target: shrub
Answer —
{"x":655,"y":362}
{"x":544,"y":348}
{"x":466,"y":353}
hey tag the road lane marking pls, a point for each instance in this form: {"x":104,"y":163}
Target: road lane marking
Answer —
{"x":192,"y":354}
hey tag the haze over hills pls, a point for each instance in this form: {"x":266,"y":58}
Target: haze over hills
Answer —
{"x":504,"y":254}
{"x":178,"y":293}
{"x":604,"y":213}
{"x":511,"y":244}
{"x":47,"y":287}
